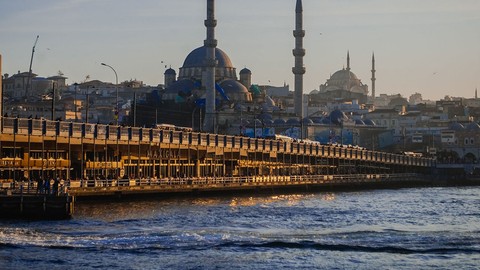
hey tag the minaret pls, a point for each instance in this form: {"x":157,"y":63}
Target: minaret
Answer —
{"x":299,"y":53}
{"x":373,"y":75}
{"x":348,"y":60}
{"x":476,"y":93}
{"x":210,"y":63}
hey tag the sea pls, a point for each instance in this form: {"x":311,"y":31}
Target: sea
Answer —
{"x":409,"y":228}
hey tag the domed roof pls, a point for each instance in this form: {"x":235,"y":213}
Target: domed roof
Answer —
{"x":245,"y":71}
{"x":245,"y":122}
{"x":196,"y":58}
{"x":265,"y":116}
{"x":369,"y":122}
{"x":268,"y":122}
{"x":232,"y":86}
{"x":257,"y":122}
{"x":307,"y":121}
{"x":359,"y":122}
{"x":293,"y":121}
{"x":279,"y":121}
{"x":170,"y":71}
{"x":343,"y":75}
{"x":326,"y":121}
{"x":337,"y":117}
{"x":457,"y":126}
{"x":473,"y":126}
{"x":317,"y":120}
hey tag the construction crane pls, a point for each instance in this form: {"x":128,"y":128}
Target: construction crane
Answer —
{"x":29,"y":80}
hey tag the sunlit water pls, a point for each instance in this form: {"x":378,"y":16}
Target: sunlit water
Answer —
{"x":428,"y":228}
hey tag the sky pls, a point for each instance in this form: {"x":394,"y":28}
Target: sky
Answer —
{"x":431,"y":46}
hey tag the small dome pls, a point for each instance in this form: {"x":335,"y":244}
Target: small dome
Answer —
{"x":257,"y":122}
{"x":235,"y":90}
{"x":170,"y":71}
{"x":293,"y":121}
{"x":279,"y":121}
{"x":307,"y":121}
{"x":456,"y":126}
{"x":473,"y":126}
{"x":268,"y":122}
{"x":369,"y":122}
{"x":398,"y":101}
{"x":265,"y":116}
{"x":196,"y":58}
{"x":317,"y":120}
{"x":245,"y":122}
{"x":326,"y":121}
{"x":337,"y":117}
{"x":245,"y":71}
{"x":233,"y":87}
{"x":359,"y":122}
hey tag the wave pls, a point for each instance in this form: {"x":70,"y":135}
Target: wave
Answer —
{"x":350,"y":248}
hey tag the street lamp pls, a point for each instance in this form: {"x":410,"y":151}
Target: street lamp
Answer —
{"x":75,"y":102}
{"x":116,"y":89}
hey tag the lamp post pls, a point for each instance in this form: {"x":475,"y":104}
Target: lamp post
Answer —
{"x":116,"y":89}
{"x":53,"y":101}
{"x":75,"y":102}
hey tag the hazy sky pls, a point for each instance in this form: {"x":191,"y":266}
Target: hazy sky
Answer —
{"x":429,"y":46}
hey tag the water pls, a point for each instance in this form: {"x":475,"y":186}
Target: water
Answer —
{"x":427,"y":228}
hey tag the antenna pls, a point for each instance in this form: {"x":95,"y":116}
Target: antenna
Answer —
{"x":29,"y":81}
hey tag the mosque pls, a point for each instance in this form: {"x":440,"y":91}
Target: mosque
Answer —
{"x":188,"y":84}
{"x":237,"y":103}
{"x":345,"y":85}
{"x":187,"y":99}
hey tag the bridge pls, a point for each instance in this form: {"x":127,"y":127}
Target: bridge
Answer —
{"x":93,"y":159}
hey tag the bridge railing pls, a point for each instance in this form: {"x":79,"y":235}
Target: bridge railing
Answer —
{"x":162,"y":135}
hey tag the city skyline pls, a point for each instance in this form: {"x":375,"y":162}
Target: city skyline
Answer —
{"x":430,"y":47}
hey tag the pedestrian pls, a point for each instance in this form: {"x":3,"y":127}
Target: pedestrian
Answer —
{"x":55,"y":186}
{"x":47,"y":186}
{"x":39,"y":185}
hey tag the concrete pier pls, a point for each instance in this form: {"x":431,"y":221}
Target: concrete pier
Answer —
{"x":30,"y":206}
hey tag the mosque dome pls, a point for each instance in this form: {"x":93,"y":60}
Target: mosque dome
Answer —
{"x":196,"y":58}
{"x":279,"y":121}
{"x":194,"y":65}
{"x":268,"y":122}
{"x":257,"y":122}
{"x":473,"y":126}
{"x":307,"y":121}
{"x":326,"y":121}
{"x":318,"y":120}
{"x":398,"y":101}
{"x":456,"y":126}
{"x":235,"y":90}
{"x":359,"y":122}
{"x":344,"y":84}
{"x":369,"y":122}
{"x":343,"y":75}
{"x":293,"y":121}
{"x":265,"y":116}
{"x":337,"y":117}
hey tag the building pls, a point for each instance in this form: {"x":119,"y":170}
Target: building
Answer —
{"x":343,"y":85}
